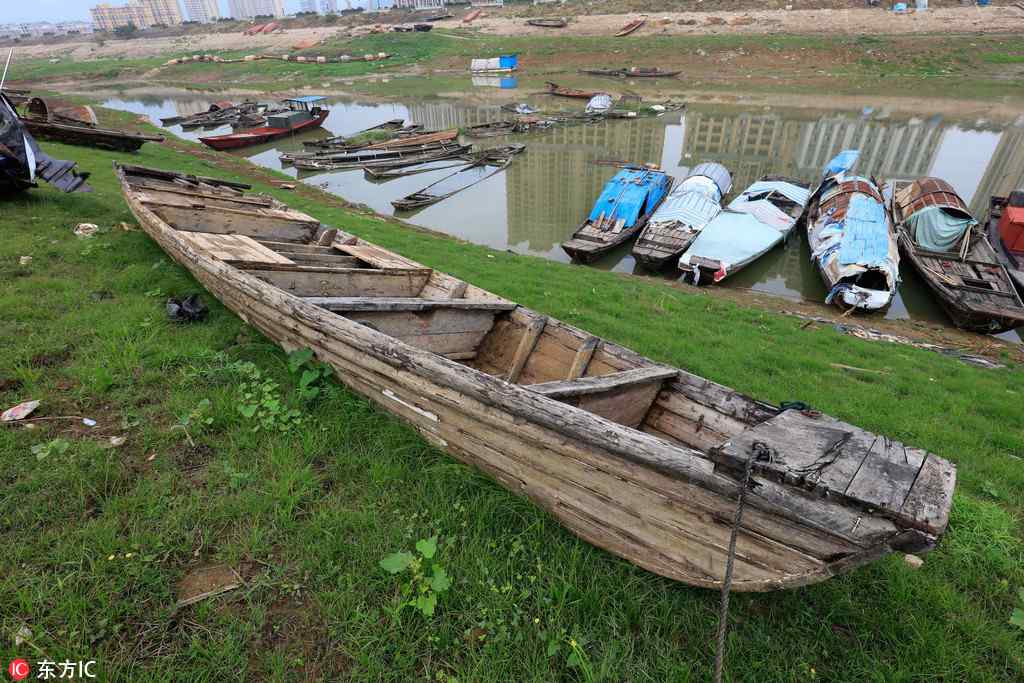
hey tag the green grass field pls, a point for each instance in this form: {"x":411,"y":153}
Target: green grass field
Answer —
{"x":96,"y":538}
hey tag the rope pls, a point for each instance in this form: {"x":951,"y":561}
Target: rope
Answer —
{"x":723,"y":614}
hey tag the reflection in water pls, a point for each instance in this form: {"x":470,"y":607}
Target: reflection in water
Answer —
{"x":540,"y":200}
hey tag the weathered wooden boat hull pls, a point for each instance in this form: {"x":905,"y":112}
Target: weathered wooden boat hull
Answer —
{"x":101,"y":138}
{"x":628,"y":73}
{"x":1013,"y":262}
{"x":259,"y":136}
{"x":969,"y":282}
{"x":559,"y":91}
{"x":547,"y":23}
{"x":631,"y":27}
{"x":602,"y":465}
{"x":585,"y":251}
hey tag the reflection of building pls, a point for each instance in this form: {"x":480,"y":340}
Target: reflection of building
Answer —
{"x":248,"y":9}
{"x":442,"y":115}
{"x":203,"y":11}
{"x":554,"y":185}
{"x":750,"y":145}
{"x":1005,"y":171}
{"x":888,"y":149}
{"x":141,"y":14}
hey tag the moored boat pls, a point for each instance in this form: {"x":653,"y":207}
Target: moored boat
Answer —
{"x":303,"y":113}
{"x":631,"y":27}
{"x":547,"y":23}
{"x":489,"y":163}
{"x":559,"y":91}
{"x":759,"y":219}
{"x":490,"y":129}
{"x":949,"y":250}
{"x":689,"y":206}
{"x":643,"y":460}
{"x":632,"y":72}
{"x":623,"y":209}
{"x":1006,"y":234}
{"x":851,"y":238}
{"x":391,"y":157}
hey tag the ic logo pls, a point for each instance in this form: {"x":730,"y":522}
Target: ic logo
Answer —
{"x":18,"y":669}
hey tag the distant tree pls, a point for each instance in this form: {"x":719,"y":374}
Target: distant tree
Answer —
{"x":126,"y":30}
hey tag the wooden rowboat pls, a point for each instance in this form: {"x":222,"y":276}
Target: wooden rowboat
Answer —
{"x":89,"y":136}
{"x":559,"y":91}
{"x":1006,"y":234}
{"x":949,"y":250}
{"x":634,"y":72}
{"x":631,"y":27}
{"x":547,"y":23}
{"x":487,"y":164}
{"x":637,"y":458}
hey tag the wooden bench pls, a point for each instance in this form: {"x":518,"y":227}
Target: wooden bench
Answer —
{"x":623,"y":397}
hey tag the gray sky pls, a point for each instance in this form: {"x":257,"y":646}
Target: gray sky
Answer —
{"x":70,"y":10}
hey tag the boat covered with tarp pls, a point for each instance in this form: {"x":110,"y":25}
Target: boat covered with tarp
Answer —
{"x":851,"y":238}
{"x":641,"y":459}
{"x":759,"y":219}
{"x":627,"y":202}
{"x":949,"y":250}
{"x":1006,"y":234}
{"x":690,"y":206}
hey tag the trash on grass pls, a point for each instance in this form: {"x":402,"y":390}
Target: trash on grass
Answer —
{"x":19,"y":412}
{"x":88,"y":422}
{"x":206,"y":582}
{"x":24,"y":260}
{"x":86,"y":229}
{"x":188,"y":310}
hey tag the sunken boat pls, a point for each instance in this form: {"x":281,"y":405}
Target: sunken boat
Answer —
{"x":79,"y":127}
{"x":640,"y":459}
{"x":758,"y":220}
{"x":689,"y":206}
{"x":1006,"y":234}
{"x":851,"y":238}
{"x":627,"y":202}
{"x":949,"y":250}
{"x":22,"y":162}
{"x":490,"y":163}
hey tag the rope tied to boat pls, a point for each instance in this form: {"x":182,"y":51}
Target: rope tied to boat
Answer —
{"x":758,"y":453}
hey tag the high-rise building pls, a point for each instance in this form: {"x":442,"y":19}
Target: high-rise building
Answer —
{"x":247,"y":9}
{"x":203,"y":11}
{"x":328,"y":6}
{"x":307,"y":6}
{"x":138,"y":13}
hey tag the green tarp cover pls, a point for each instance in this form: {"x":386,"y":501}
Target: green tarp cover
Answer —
{"x":935,"y":229}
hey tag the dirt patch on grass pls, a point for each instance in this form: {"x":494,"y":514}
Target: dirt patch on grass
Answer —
{"x":295,"y":630}
{"x":51,"y":359}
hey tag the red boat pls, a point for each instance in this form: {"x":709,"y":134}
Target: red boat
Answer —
{"x":303,"y":113}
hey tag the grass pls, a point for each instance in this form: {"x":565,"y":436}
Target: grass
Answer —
{"x":97,"y":538}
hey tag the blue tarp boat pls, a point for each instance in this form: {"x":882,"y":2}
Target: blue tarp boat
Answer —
{"x":688,"y":208}
{"x":624,"y":207}
{"x":851,"y":238}
{"x":755,"y":222}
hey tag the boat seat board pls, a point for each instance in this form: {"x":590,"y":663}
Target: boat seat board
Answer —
{"x":236,"y":249}
{"x":363,"y":303}
{"x":375,"y":256}
{"x":836,"y":459}
{"x":263,"y":223}
{"x":325,"y":281}
{"x":623,"y":397}
{"x":603,"y":383}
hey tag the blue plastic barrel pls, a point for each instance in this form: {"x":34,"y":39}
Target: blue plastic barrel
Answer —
{"x":983,"y":3}
{"x":510,"y":62}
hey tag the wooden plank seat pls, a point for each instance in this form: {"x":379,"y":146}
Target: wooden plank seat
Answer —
{"x":624,"y":397}
{"x":326,"y":281}
{"x":838,"y":460}
{"x":365,"y":303}
{"x":237,"y":250}
{"x":220,"y":216}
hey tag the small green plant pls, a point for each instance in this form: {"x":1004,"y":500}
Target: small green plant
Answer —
{"x":427,"y":579}
{"x":261,"y":402}
{"x":1017,"y":616}
{"x":314,"y":376}
{"x":236,"y":478}
{"x":198,"y":418}
{"x":42,"y":451}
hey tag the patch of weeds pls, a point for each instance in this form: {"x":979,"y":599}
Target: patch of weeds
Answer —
{"x":1017,"y":616}
{"x":236,"y":478}
{"x":314,"y":376}
{"x":426,"y":579}
{"x":197,"y":419}
{"x":42,"y":451}
{"x":261,"y":401}
{"x":560,"y":643}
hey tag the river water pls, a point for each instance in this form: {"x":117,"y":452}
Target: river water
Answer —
{"x":540,"y":200}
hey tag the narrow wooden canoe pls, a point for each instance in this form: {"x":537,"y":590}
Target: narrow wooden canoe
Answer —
{"x":626,"y":204}
{"x":486,"y":165}
{"x":949,"y":250}
{"x":258,"y":136}
{"x":635,"y":457}
{"x":631,"y":27}
{"x":634,"y":72}
{"x":385,"y":158}
{"x":559,"y":91}
{"x":547,"y":23}
{"x":89,"y":136}
{"x":1009,"y":247}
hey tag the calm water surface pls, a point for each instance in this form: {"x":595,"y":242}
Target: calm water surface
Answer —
{"x":539,"y":201}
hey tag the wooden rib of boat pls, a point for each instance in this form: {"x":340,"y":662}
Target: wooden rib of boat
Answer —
{"x":559,"y":91}
{"x":631,"y":27}
{"x":637,"y":458}
{"x":626,"y":204}
{"x":385,"y":158}
{"x":949,"y":250}
{"x":89,"y":136}
{"x":1006,"y":234}
{"x":689,"y":206}
{"x":633,"y":72}
{"x":547,"y":23}
{"x":762,"y":217}
{"x":851,"y":238}
{"x":489,"y":163}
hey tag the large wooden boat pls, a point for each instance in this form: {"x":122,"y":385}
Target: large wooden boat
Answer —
{"x":89,"y":136}
{"x":305,"y":113}
{"x":949,"y":250}
{"x":762,"y":217}
{"x":690,"y":205}
{"x":627,"y":202}
{"x":1006,"y":234}
{"x":851,"y":238}
{"x":637,"y":458}
{"x":385,"y":158}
